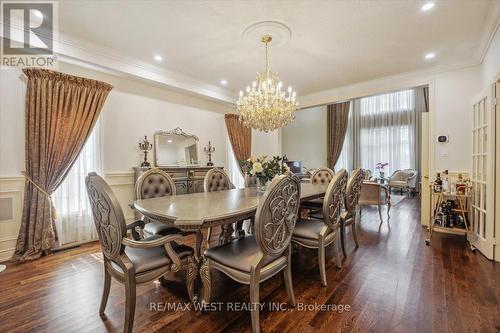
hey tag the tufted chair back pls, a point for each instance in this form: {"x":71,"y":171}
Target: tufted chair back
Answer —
{"x":217,"y":180}
{"x":322,"y":176}
{"x":154,"y":183}
{"x":108,"y":216}
{"x":277,"y":213}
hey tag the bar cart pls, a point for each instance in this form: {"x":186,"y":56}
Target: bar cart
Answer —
{"x":461,"y":209}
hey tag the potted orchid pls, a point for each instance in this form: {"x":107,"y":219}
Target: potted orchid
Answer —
{"x":381,"y":169}
{"x":264,"y":169}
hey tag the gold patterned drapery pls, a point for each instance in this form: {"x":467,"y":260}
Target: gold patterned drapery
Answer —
{"x":337,"y":119}
{"x":61,"y":111}
{"x":240,"y":137}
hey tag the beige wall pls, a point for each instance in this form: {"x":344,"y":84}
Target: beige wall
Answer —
{"x":305,"y":139}
{"x":133,"y":109}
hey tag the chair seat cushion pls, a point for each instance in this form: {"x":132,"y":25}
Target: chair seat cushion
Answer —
{"x":157,"y":228}
{"x":315,"y":203}
{"x":152,"y":258}
{"x":238,"y":254}
{"x":398,"y":183}
{"x":309,"y":229}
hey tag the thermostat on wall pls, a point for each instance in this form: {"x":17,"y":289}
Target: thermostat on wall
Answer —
{"x":443,"y":138}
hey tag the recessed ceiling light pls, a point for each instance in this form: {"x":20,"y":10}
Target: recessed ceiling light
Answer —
{"x":429,"y":55}
{"x":158,"y":58}
{"x":428,"y":6}
{"x":224,"y":82}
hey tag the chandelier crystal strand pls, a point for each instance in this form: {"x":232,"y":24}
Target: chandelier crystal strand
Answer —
{"x":265,"y":106}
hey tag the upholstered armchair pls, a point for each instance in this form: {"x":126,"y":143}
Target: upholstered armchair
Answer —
{"x":256,"y":258}
{"x":350,"y":215}
{"x":375,"y":194}
{"x":404,"y":180}
{"x":218,"y":180}
{"x":155,"y":183}
{"x":133,"y":261}
{"x":319,"y":233}
{"x":367,"y":173}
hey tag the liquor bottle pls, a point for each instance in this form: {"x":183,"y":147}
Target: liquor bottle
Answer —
{"x":460,"y":185}
{"x":446,"y":182}
{"x":438,"y":184}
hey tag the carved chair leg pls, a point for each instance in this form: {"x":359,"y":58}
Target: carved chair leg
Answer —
{"x":342,"y":237}
{"x":287,"y":274}
{"x":354,"y":229}
{"x":250,"y":226}
{"x":388,"y":210}
{"x":380,"y":214}
{"x":239,"y":229}
{"x":199,"y":241}
{"x":209,"y":236}
{"x":254,"y":301}
{"x":192,"y":269}
{"x":321,"y":262}
{"x":206,"y":281}
{"x":354,"y":233}
{"x":337,"y":251}
{"x":105,"y":291}
{"x":129,"y":301}
{"x":226,"y":233}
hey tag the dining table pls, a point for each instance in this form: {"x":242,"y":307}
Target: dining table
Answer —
{"x":198,"y":211}
{"x":204,"y":210}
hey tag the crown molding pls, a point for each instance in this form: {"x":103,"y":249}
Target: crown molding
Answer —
{"x":84,"y":53}
{"x":383,"y":84}
{"x":491,"y":27}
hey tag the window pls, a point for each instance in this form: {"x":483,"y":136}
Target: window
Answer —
{"x":74,"y":221}
{"x":386,"y":130}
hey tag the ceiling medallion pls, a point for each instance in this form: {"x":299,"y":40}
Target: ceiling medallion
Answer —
{"x":265,"y":107}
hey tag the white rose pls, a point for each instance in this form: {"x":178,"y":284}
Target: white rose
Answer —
{"x":257,"y":167}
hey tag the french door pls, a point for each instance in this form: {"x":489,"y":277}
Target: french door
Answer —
{"x":482,"y":176}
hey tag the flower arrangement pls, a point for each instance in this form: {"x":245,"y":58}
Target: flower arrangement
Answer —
{"x":381,"y":168}
{"x":263,"y":168}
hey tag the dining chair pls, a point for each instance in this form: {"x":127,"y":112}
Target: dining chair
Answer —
{"x":320,"y":176}
{"x":319,"y":233}
{"x":255,"y":258}
{"x":350,"y":215}
{"x":155,"y":183}
{"x":133,"y":261}
{"x":250,"y":181}
{"x":217,"y":179}
{"x":375,"y":194}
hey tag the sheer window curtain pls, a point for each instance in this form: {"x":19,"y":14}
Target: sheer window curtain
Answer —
{"x":74,"y":221}
{"x":385,"y":130}
{"x":233,"y":168}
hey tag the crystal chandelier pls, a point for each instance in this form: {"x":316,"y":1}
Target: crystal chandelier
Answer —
{"x":266,"y":107}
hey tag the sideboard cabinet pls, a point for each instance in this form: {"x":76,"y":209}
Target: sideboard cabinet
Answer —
{"x":187,"y":179}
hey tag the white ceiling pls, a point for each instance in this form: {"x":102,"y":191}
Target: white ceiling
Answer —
{"x":333,"y":43}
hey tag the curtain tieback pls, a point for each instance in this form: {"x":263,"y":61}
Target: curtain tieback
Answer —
{"x":49,"y":196}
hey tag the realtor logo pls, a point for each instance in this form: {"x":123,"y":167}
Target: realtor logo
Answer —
{"x":28,"y":34}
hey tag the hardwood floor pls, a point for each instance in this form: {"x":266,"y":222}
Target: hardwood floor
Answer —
{"x":392,"y":283}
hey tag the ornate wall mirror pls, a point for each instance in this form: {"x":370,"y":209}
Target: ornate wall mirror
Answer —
{"x":175,"y":148}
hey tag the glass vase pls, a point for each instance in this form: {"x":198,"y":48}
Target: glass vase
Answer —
{"x":262,"y":185}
